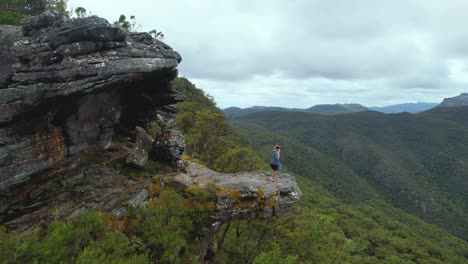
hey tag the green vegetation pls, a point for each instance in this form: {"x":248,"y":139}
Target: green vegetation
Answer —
{"x":13,"y":11}
{"x":130,"y":25}
{"x":415,"y":162}
{"x":208,"y":135}
{"x":345,"y":221}
{"x":342,"y":217}
{"x":162,"y":232}
{"x":322,"y":229}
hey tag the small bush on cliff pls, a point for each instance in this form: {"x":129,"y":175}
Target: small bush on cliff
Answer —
{"x":112,"y":248}
{"x":274,"y":257}
{"x":152,"y":166}
{"x":66,"y":240}
{"x":18,"y":248}
{"x":166,"y":226}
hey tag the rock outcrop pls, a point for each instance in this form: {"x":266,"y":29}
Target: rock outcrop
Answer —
{"x":67,"y":85}
{"x":84,"y":108}
{"x":108,"y":187}
{"x":241,"y":196}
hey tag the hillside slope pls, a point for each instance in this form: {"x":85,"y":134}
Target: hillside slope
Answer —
{"x":339,"y":222}
{"x":415,"y":162}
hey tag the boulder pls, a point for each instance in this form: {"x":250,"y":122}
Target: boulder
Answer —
{"x":138,"y":199}
{"x":139,"y":154}
{"x":34,"y":26}
{"x":169,"y":146}
{"x":153,"y":129}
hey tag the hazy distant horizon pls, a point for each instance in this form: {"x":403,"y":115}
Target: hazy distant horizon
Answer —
{"x":436,"y":103}
{"x":308,"y":52}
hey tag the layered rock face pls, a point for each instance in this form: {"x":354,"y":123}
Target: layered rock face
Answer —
{"x":86,"y":112}
{"x":67,"y":85}
{"x":71,"y":85}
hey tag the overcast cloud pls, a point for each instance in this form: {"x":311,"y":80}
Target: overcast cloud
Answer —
{"x":302,"y":52}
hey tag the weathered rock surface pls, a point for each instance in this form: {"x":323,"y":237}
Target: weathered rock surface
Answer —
{"x":108,"y":188}
{"x":8,"y":36}
{"x":71,"y":94}
{"x":67,"y":85}
{"x":169,"y":146}
{"x":65,"y":194}
{"x":139,"y":154}
{"x":241,"y":195}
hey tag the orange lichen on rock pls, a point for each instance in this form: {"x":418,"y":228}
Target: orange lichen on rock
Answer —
{"x":235,"y":194}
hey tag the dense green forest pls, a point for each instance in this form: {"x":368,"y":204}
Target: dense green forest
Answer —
{"x":415,"y":162}
{"x":334,"y":184}
{"x":335,"y":222}
{"x":367,"y":180}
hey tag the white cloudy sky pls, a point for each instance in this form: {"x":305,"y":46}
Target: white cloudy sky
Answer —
{"x":299,"y":53}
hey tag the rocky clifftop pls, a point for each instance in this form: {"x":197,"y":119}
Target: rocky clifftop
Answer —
{"x":86,"y":111}
{"x":71,"y":84}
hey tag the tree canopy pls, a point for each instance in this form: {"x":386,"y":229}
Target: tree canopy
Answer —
{"x":13,"y":11}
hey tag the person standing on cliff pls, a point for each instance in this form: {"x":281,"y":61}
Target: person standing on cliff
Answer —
{"x":275,"y":162}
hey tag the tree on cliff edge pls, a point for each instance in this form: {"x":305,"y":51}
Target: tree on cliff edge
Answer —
{"x":132,"y":26}
{"x":13,"y":11}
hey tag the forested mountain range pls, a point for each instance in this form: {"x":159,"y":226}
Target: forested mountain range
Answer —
{"x":332,"y":109}
{"x":417,"y":162}
{"x":343,"y":217}
{"x":408,"y":107}
{"x":336,"y":109}
{"x":323,"y":109}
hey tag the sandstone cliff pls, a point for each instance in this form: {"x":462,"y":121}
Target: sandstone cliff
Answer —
{"x":85,"y":112}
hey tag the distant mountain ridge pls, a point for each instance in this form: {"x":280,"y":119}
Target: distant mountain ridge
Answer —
{"x":337,"y":109}
{"x":460,"y":100}
{"x":407,"y":107}
{"x":323,"y":109}
{"x":418,"y":162}
{"x":236,"y":111}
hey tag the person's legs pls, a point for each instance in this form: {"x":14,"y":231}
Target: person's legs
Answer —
{"x":273,"y":173}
